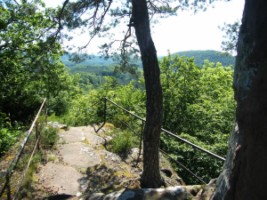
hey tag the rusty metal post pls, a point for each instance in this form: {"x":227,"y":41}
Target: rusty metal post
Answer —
{"x":8,"y":187}
{"x":105,"y":110}
{"x":46,"y":111}
{"x":37,"y":134}
{"x":105,"y":115}
{"x":140,"y":144}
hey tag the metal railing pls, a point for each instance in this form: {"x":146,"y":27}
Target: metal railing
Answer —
{"x":169,"y":133}
{"x":6,"y":187}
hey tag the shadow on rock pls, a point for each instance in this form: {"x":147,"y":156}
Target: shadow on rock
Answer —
{"x":59,"y":197}
{"x":101,"y":179}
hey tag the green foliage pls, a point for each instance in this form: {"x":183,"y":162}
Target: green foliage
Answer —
{"x":59,"y":104}
{"x":88,"y":108}
{"x":30,"y":66}
{"x":93,"y":71}
{"x":82,"y":110}
{"x":131,"y":98}
{"x":197,"y":99}
{"x":49,"y":137}
{"x":198,"y":106}
{"x":88,"y":80}
{"x":200,"y":163}
{"x":7,"y":138}
{"x":29,"y":59}
{"x":8,"y":135}
{"x":123,"y":142}
{"x":180,"y":89}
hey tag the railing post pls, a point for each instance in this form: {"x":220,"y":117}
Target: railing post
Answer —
{"x":140,"y":144}
{"x":105,"y":115}
{"x":46,"y":111}
{"x":37,"y":134}
{"x":105,"y":109}
{"x":8,"y":187}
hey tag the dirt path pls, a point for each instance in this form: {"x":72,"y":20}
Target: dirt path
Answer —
{"x":81,"y":164}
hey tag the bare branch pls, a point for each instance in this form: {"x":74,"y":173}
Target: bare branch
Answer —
{"x":124,"y":41}
{"x":16,"y":2}
{"x":97,"y":25}
{"x":59,"y":18}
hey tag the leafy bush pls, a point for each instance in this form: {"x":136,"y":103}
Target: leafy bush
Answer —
{"x":89,"y":109}
{"x":203,"y":165}
{"x":59,"y":104}
{"x":49,"y":137}
{"x":8,"y":135}
{"x":7,"y":139}
{"x":122,"y":143}
{"x":199,"y":106}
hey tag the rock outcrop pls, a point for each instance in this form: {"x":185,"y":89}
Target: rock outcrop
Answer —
{"x":222,"y":184}
{"x":80,"y":165}
{"x":170,"y":193}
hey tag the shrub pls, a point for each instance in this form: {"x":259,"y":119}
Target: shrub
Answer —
{"x":49,"y":137}
{"x":122,"y":143}
{"x":7,"y":139}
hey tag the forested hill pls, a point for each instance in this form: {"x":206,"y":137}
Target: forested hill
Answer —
{"x":91,"y":60}
{"x":212,"y":56}
{"x":96,"y":63}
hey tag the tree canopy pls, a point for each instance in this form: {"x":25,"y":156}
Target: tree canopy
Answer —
{"x":29,"y":57}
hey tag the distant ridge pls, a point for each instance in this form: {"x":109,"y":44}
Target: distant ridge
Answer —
{"x":91,"y":60}
{"x":211,"y":55}
{"x":96,"y":63}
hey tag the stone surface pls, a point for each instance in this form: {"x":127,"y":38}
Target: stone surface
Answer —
{"x":74,"y":134}
{"x":57,"y":125}
{"x":93,"y":139}
{"x":170,"y":193}
{"x":59,"y":178}
{"x":79,"y":155}
{"x":81,"y":165}
{"x":222,"y":184}
{"x":81,"y":134}
{"x":76,"y":152}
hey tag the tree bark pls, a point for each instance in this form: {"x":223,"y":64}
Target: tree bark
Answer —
{"x":140,"y":19}
{"x":248,"y":178}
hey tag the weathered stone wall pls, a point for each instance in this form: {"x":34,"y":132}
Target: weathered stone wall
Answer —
{"x":222,"y":184}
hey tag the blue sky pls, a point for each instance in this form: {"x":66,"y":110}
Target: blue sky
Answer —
{"x":186,"y":31}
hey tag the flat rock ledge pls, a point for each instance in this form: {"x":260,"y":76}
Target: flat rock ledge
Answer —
{"x":80,"y":168}
{"x":170,"y":193}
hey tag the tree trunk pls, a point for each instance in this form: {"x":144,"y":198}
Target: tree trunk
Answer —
{"x":248,"y":178}
{"x":140,"y":19}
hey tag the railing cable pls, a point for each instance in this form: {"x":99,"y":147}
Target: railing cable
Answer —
{"x":183,"y":166}
{"x":170,"y":133}
{"x":14,"y":162}
{"x":193,"y":145}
